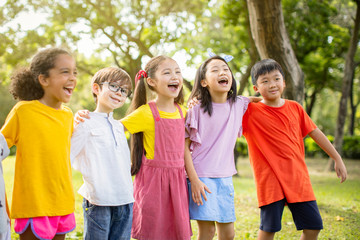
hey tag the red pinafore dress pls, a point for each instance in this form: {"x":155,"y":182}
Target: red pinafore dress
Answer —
{"x":161,"y":208}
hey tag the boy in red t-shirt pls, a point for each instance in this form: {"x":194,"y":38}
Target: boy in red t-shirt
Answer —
{"x":274,"y":129}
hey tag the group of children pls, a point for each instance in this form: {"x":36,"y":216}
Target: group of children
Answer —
{"x":182,"y":159}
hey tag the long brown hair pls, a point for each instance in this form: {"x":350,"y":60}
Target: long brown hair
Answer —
{"x":139,"y":99}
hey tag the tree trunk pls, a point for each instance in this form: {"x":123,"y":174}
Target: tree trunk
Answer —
{"x":353,"y":108}
{"x":346,"y":85}
{"x":271,"y":39}
{"x":310,"y":106}
{"x":254,"y":56}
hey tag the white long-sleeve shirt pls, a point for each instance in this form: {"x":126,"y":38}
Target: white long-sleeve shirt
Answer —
{"x":4,"y":219}
{"x":99,"y":150}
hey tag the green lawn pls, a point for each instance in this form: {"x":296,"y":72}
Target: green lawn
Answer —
{"x":339,"y":203}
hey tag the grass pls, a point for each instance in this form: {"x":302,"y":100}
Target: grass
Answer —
{"x":339,"y":203}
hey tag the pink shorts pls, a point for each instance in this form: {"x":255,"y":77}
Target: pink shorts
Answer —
{"x":46,"y":227}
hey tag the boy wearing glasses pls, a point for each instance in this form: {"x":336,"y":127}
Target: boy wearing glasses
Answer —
{"x":99,"y":150}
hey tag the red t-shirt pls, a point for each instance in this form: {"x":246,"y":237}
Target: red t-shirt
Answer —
{"x":276,"y":151}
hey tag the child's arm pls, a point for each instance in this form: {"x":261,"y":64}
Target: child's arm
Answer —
{"x":4,"y":149}
{"x":255,"y":99}
{"x":78,"y":142}
{"x":326,"y":145}
{"x":197,"y":186}
{"x":193,"y":102}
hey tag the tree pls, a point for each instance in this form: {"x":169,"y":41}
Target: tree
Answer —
{"x":271,"y":39}
{"x":347,"y":81}
{"x":319,"y":43}
{"x":130,"y":32}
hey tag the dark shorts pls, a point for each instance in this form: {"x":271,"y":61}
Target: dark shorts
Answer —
{"x":306,"y":215}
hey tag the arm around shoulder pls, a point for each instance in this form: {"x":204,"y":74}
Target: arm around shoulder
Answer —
{"x":320,"y":138}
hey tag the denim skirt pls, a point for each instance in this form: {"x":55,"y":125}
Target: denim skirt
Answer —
{"x":219,"y":206}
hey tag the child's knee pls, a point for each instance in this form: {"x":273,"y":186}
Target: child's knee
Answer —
{"x":206,"y":230}
{"x":228,"y":235}
{"x":310,"y":234}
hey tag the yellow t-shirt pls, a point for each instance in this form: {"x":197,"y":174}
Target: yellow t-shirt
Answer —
{"x":142,"y":120}
{"x":43,"y":179}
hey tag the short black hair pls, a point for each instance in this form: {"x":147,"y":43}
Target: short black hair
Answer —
{"x":265,"y":66}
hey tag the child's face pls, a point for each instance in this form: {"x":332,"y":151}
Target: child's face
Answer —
{"x":270,"y":85}
{"x":110,"y":95}
{"x":60,"y":83}
{"x":168,"y":79}
{"x":218,"y":78}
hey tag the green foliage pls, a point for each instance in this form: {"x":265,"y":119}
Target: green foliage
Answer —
{"x":7,"y":102}
{"x":319,"y":42}
{"x":127,"y":33}
{"x":241,"y":147}
{"x":312,"y":149}
{"x":351,"y":147}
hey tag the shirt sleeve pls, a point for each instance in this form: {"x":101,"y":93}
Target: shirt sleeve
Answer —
{"x":11,"y":128}
{"x":246,"y":118}
{"x":246,"y":102}
{"x":4,"y":150}
{"x":139,"y":120}
{"x":244,"y":106}
{"x":306,"y":123}
{"x":78,"y":141}
{"x":192,"y":126}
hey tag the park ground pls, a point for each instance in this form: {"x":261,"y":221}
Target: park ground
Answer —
{"x":339,"y":204}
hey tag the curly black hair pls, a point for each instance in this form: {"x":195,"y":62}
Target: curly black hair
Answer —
{"x":25,"y":81}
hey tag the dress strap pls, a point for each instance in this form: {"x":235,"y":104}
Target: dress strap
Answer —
{"x":180,"y":111}
{"x":154,"y":111}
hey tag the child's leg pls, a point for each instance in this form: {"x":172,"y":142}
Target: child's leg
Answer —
{"x":59,"y":237}
{"x":309,"y":234}
{"x":270,"y":220}
{"x":121,"y":221}
{"x":206,"y":230}
{"x":307,"y":217}
{"x":28,"y":235}
{"x":262,"y":235}
{"x":225,"y":231}
{"x":97,"y":220}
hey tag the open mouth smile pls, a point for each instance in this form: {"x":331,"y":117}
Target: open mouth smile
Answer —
{"x":68,"y":90}
{"x":173,"y":86}
{"x":223,"y":82}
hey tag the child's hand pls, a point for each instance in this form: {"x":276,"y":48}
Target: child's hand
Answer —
{"x":255,"y":99}
{"x":192,"y":103}
{"x":80,"y":116}
{"x":198,"y":189}
{"x":341,"y":171}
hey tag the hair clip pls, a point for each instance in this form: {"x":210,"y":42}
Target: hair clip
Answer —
{"x":227,"y":58}
{"x":140,"y":74}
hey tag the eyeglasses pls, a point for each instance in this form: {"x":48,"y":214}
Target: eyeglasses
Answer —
{"x":115,"y":88}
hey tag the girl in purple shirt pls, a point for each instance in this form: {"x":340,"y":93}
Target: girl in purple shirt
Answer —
{"x":212,"y":128}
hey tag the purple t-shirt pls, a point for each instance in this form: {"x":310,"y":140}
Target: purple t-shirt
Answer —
{"x":213,"y":137}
